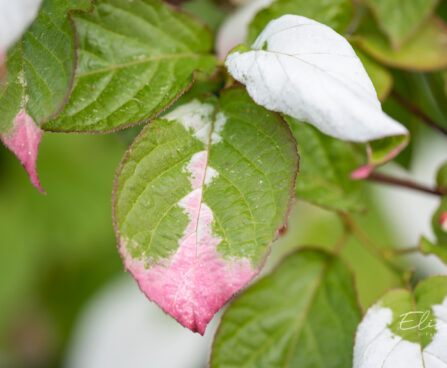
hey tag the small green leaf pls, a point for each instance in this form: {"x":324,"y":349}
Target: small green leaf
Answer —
{"x":430,"y":41}
{"x":337,"y":14}
{"x":401,"y":19}
{"x":325,"y":168}
{"x":380,"y":76}
{"x":199,"y":198}
{"x":135,"y":58}
{"x":379,"y":152}
{"x":304,"y":314}
{"x":405,"y":328}
{"x":428,"y":248}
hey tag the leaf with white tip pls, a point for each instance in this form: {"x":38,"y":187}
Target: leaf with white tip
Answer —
{"x":405,"y":329}
{"x":135,"y":58}
{"x":304,"y":69}
{"x":40,"y":69}
{"x":199,"y":198}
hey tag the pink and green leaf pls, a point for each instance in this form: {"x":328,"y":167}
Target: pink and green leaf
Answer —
{"x":40,"y":69}
{"x":199,"y":198}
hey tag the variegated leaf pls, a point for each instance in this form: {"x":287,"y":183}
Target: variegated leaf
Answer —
{"x":198,"y":200}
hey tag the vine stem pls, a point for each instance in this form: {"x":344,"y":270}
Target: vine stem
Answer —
{"x":418,"y":113}
{"x":384,"y":256}
{"x":382,"y":178}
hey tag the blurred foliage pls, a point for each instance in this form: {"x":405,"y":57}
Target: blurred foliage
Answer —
{"x":56,"y":250}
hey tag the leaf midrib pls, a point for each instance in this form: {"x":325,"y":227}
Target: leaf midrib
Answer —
{"x":142,"y":61}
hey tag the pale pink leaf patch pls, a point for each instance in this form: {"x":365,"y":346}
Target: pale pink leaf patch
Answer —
{"x":196,"y":281}
{"x":24,"y":139}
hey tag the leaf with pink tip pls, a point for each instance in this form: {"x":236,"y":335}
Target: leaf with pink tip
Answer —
{"x":40,"y":69}
{"x":199,"y":198}
{"x":24,"y":141}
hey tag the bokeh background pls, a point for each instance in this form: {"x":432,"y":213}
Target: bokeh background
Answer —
{"x":65,"y":300}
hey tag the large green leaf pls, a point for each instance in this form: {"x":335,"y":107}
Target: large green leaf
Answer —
{"x":199,"y":198}
{"x":325,"y":168}
{"x":40,"y":72}
{"x":401,"y":19}
{"x":303,"y":315}
{"x":135,"y":58}
{"x":426,"y":51}
{"x":405,"y":328}
{"x":337,"y":14}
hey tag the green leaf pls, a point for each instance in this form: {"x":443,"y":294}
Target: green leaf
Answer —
{"x":199,"y":198}
{"x":428,"y":248}
{"x":401,"y":19}
{"x":439,"y":221}
{"x":430,"y":41}
{"x":337,"y":14}
{"x":380,"y":76}
{"x":325,"y":167}
{"x":405,"y":328}
{"x":304,"y":314}
{"x":135,"y":58}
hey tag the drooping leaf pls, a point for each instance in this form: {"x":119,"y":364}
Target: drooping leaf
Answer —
{"x":135,"y":58}
{"x":198,"y":200}
{"x":405,"y":328}
{"x":15,"y":17}
{"x":379,"y":152}
{"x":427,"y":247}
{"x":325,"y":167}
{"x":304,"y":314}
{"x":40,"y":68}
{"x":235,"y":28}
{"x":425,"y":51}
{"x":382,"y":79}
{"x":304,"y":69}
{"x":401,"y":19}
{"x":337,"y":14}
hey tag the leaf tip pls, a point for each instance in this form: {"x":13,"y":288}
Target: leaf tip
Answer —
{"x":23,"y":140}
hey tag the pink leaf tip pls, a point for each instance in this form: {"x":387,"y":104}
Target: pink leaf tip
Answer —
{"x":362,"y":172}
{"x":24,"y":139}
{"x":443,"y":221}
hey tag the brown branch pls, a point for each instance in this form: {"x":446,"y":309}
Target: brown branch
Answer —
{"x":385,"y":179}
{"x":418,"y":112}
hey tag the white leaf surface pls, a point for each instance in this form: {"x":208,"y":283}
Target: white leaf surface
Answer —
{"x":235,"y":28}
{"x":377,"y":346}
{"x":305,"y":69}
{"x":15,"y":17}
